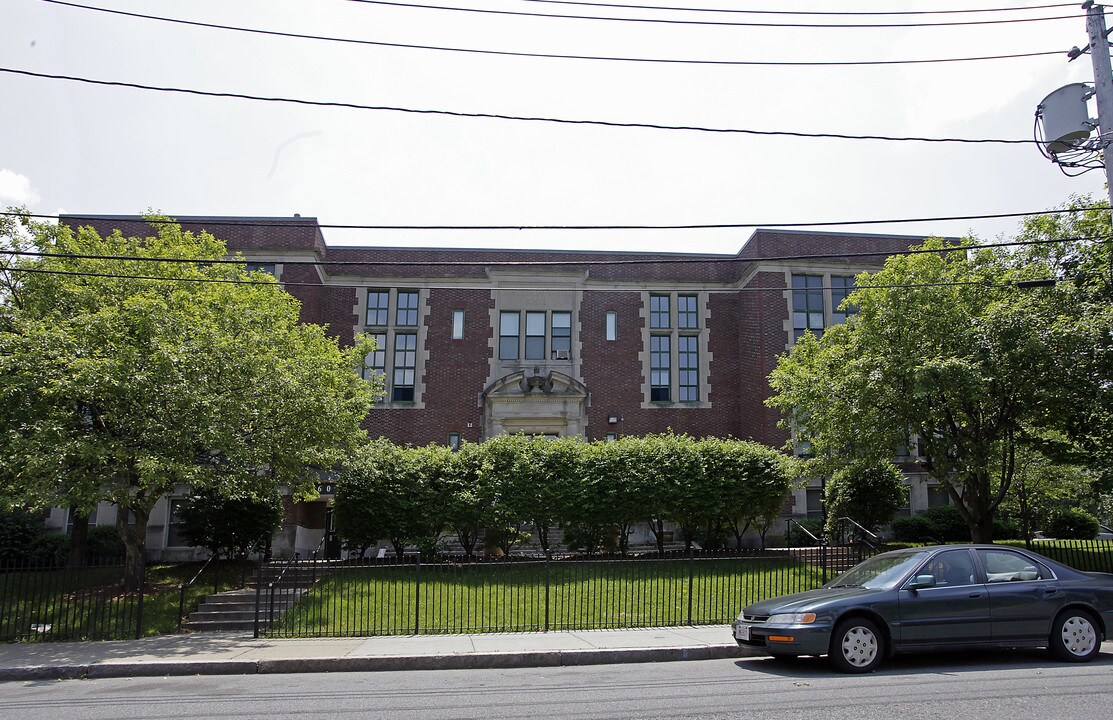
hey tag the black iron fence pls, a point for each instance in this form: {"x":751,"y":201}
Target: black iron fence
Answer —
{"x":411,"y":596}
{"x":1088,"y":555}
{"x":46,"y":603}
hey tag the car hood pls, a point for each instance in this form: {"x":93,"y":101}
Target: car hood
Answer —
{"x":809,"y":601}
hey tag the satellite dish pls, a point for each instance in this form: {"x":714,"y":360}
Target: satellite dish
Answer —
{"x":1065,"y":118}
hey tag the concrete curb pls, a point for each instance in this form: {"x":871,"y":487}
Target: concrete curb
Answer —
{"x":469,"y":661}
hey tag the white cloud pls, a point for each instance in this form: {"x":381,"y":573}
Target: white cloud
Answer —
{"x":16,"y":188}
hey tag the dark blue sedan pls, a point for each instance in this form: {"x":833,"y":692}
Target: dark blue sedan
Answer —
{"x":936,"y":598}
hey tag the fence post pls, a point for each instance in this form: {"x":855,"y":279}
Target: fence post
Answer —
{"x":548,"y":566}
{"x":691,"y":579}
{"x":823,"y":555}
{"x":417,"y":595}
{"x":139,"y":608}
{"x":258,"y":596}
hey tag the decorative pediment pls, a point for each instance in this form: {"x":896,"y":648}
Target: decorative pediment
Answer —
{"x":535,"y":383}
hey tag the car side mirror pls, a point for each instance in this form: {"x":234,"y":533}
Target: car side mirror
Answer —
{"x":922,"y":581}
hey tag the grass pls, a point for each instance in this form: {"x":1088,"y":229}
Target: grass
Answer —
{"x":511,"y":596}
{"x":91,"y":604}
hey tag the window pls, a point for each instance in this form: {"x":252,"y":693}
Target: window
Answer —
{"x":906,"y":507}
{"x":938,"y":496}
{"x":687,"y":318}
{"x":535,"y":336}
{"x":660,"y":375}
{"x":952,"y":568}
{"x":174,"y":536}
{"x":378,"y":305}
{"x":376,"y":359}
{"x":677,"y":348}
{"x":562,"y":335}
{"x":1006,"y":566}
{"x":688,"y":366}
{"x":815,"y":502}
{"x":406,"y":314}
{"x":454,"y":441}
{"x":70,"y":518}
{"x":611,"y":436}
{"x":457,"y":324}
{"x":260,"y":267}
{"x":612,"y":325}
{"x":405,"y":367}
{"x":659,"y":312}
{"x":543,"y":331}
{"x":841,"y":286}
{"x":508,"y":336}
{"x":807,"y":305}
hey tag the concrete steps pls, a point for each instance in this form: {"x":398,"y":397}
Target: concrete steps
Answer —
{"x":234,"y":610}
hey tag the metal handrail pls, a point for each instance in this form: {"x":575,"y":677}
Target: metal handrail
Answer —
{"x":806,"y":531}
{"x":278,"y":581}
{"x":864,"y":530}
{"x":185,"y":586}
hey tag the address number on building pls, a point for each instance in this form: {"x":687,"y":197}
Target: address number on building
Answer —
{"x":326,"y":488}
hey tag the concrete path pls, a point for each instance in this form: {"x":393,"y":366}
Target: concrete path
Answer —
{"x":234,"y":654}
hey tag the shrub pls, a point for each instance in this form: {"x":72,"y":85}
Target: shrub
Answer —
{"x":24,"y":539}
{"x":916,"y":528}
{"x":868,"y":493}
{"x":795,"y":537}
{"x":1072,"y":524}
{"x":103,"y":544}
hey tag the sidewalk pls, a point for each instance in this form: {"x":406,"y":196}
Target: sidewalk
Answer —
{"x":234,"y":654}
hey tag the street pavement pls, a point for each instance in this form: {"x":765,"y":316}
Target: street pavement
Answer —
{"x":235,"y":654}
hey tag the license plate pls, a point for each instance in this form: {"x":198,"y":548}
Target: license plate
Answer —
{"x":742,"y":632}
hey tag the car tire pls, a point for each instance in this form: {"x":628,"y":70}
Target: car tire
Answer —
{"x":857,"y":646}
{"x":1074,"y":636}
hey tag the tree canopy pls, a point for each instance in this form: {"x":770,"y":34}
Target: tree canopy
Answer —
{"x":120,"y":379}
{"x":948,"y":347}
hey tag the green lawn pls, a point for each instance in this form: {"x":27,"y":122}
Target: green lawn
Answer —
{"x":511,"y":596}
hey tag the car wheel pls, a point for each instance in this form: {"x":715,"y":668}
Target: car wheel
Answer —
{"x":857,"y":646}
{"x":1074,"y":636}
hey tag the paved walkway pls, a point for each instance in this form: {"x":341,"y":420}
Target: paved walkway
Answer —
{"x":234,"y":654}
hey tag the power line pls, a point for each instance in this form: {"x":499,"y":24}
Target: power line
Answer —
{"x":808,"y":12}
{"x":522,"y":118}
{"x":533,"y":287}
{"x":609,"y":262}
{"x":519,"y":13}
{"x":508,"y":53}
{"x":771,"y":226}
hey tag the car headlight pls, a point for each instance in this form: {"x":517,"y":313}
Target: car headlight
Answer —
{"x":791,"y":619}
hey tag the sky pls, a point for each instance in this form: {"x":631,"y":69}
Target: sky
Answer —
{"x":68,"y":147}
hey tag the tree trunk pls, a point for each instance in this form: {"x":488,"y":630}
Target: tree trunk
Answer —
{"x":134,"y":537}
{"x":78,"y":537}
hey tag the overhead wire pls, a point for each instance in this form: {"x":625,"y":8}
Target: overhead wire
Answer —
{"x":964,"y":11}
{"x":520,"y":118}
{"x":721,"y":23}
{"x":772,"y":226}
{"x":509,"y":53}
{"x":650,"y":259}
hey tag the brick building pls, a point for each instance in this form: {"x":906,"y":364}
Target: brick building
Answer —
{"x":597,"y":344}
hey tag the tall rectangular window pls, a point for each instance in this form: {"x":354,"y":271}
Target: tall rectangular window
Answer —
{"x":406,"y":315}
{"x":378,"y":307}
{"x":508,"y":335}
{"x":562,"y":335}
{"x":457,"y":324}
{"x":688,"y":367}
{"x":807,"y":305}
{"x":612,"y":325}
{"x":660,"y":368}
{"x":454,"y":441}
{"x":376,"y":359}
{"x":841,"y":286}
{"x":687,"y":318}
{"x":659,"y":312}
{"x":535,"y":336}
{"x":174,"y":535}
{"x":405,"y":367}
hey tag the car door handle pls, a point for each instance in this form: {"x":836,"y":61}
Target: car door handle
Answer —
{"x":1048,"y":591}
{"x":974,"y":595}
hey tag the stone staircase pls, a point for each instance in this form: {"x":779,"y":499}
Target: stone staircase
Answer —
{"x":234,"y":610}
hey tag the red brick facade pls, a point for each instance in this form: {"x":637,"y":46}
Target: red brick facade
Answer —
{"x":744,"y":322}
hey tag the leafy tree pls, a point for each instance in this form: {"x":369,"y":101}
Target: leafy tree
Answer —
{"x":1073,"y":524}
{"x":466,"y":510}
{"x":121,"y":379}
{"x":869,"y":493}
{"x":945,"y":346}
{"x":1042,"y":486}
{"x":232,"y":525}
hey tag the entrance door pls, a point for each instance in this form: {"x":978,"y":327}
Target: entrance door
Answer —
{"x":332,"y":541}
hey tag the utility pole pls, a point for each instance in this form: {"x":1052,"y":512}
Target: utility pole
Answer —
{"x":1103,"y":84}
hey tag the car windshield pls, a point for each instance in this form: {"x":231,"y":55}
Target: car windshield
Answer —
{"x":879,"y":572}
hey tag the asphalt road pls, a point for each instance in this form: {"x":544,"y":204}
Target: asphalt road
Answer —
{"x":1014,"y":685}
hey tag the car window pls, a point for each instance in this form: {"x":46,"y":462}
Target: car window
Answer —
{"x":950,"y":568}
{"x":880,"y":571}
{"x":1005,"y":566}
